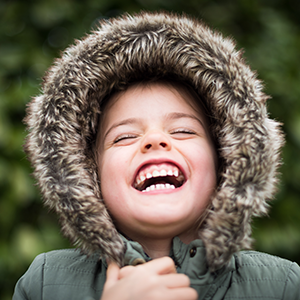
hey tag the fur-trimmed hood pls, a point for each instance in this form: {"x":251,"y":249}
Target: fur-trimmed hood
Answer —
{"x":62,"y":124}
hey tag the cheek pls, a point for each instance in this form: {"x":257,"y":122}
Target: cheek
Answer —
{"x":109,"y":190}
{"x":203,"y":154}
{"x":106,"y":171}
{"x":109,"y":165}
{"x":113,"y":170}
{"x":204,"y":166}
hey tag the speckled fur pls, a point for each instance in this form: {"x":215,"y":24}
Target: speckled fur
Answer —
{"x":62,"y":123}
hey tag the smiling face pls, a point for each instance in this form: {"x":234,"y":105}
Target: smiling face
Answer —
{"x":157,"y":163}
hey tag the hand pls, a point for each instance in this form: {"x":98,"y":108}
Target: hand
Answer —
{"x":153,"y":280}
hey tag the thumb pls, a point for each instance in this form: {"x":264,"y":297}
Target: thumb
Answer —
{"x":112,"y":275}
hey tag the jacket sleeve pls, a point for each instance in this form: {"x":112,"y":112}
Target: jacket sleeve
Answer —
{"x":292,"y":287}
{"x":30,"y":285}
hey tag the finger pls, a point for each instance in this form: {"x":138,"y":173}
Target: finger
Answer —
{"x":175,"y":280}
{"x":160,"y":266}
{"x":187,"y":293}
{"x":112,"y":275}
{"x":126,"y":271}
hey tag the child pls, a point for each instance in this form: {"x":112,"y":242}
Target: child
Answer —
{"x":152,"y":142}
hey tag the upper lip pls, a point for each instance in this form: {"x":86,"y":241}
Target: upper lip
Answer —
{"x":155,"y":162}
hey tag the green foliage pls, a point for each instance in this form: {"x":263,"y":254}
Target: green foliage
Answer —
{"x":32,"y":34}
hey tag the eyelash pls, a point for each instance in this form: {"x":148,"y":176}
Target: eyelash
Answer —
{"x":124,"y":137}
{"x":181,"y":130}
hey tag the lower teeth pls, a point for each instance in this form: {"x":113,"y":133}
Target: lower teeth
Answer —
{"x":160,"y":186}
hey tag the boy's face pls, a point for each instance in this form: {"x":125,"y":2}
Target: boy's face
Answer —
{"x":157,"y":163}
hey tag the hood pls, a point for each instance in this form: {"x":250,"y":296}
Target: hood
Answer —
{"x":62,"y":123}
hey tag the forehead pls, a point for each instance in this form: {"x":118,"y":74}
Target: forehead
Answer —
{"x":168,"y":90}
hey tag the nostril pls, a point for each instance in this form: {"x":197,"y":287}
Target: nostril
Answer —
{"x":155,"y":145}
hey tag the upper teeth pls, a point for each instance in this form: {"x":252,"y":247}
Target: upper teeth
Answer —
{"x":157,"y":173}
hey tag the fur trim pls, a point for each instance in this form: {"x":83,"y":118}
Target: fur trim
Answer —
{"x":62,"y":124}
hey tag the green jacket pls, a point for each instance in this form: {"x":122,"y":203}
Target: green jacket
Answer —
{"x":67,"y":274}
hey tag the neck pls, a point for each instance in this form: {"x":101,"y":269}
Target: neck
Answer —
{"x":156,"y":248}
{"x":159,"y":247}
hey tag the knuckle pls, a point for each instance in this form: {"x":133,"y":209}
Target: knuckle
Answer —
{"x":153,"y":281}
{"x":169,"y":260}
{"x":194,"y":294}
{"x":184,"y":279}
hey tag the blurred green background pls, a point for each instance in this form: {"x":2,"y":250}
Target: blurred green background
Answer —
{"x":34,"y":32}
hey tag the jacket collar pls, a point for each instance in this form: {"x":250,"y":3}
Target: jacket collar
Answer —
{"x":189,"y":259}
{"x":134,"y":254}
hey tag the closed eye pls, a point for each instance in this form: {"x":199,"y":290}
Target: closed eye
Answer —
{"x":183,"y":131}
{"x":124,"y":137}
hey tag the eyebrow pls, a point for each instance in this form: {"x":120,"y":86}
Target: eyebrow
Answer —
{"x":123,"y":122}
{"x":179,"y":115}
{"x":168,"y":117}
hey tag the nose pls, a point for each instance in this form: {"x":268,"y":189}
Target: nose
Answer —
{"x":155,"y":141}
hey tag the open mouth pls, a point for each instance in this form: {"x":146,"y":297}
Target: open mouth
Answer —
{"x":158,"y":177}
